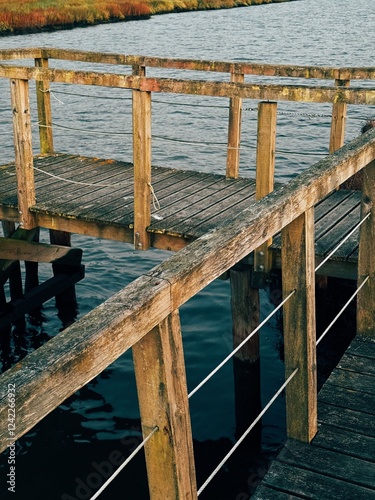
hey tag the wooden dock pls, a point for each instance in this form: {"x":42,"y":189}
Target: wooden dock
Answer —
{"x":340,"y":461}
{"x":215,"y":224}
{"x":94,"y":196}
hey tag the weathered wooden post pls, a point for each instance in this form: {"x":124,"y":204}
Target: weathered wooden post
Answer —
{"x":162,"y":393}
{"x":23,"y":151}
{"x":142,"y":164}
{"x":245,"y":305}
{"x":298,"y":271}
{"x":43,"y":99}
{"x":338,"y":121}
{"x":245,"y":285}
{"x":265,"y":172}
{"x":234,"y":131}
{"x":366,"y":257}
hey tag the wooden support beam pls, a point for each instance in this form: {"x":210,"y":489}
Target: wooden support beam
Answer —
{"x":142,"y":168}
{"x":234,"y":131}
{"x":13,"y":266}
{"x":162,"y":393}
{"x":43,"y":99}
{"x":13,"y":249}
{"x":366,"y":257}
{"x":298,"y":270}
{"x":23,"y":151}
{"x":245,"y":306}
{"x":265,"y":173}
{"x":338,"y":122}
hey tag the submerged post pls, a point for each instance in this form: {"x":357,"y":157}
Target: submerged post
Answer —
{"x":163,"y":400}
{"x":366,"y":257}
{"x":298,"y":270}
{"x":245,"y":305}
{"x":142,"y":164}
{"x":23,"y":151}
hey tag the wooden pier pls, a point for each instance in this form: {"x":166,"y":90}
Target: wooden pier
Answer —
{"x":340,"y":461}
{"x":218,"y":225}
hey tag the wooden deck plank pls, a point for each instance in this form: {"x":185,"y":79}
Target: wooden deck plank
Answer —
{"x":334,"y":465}
{"x":348,"y":442}
{"x":314,"y":485}
{"x":345,"y":418}
{"x":201,"y":206}
{"x":191,"y":203}
{"x":340,"y":461}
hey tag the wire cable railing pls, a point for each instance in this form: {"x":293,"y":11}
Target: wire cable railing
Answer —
{"x":124,"y":464}
{"x":245,"y":434}
{"x":232,"y":353}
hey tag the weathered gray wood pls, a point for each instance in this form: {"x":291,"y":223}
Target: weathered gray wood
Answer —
{"x":329,"y":462}
{"x":343,"y":441}
{"x":265,"y":493}
{"x":347,"y":398}
{"x":308,"y":484}
{"x":345,"y":418}
{"x":353,"y":380}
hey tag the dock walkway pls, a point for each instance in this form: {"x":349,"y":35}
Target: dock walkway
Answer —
{"x":340,"y":461}
{"x":95,"y":196}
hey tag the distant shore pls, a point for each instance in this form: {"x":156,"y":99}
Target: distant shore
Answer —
{"x":17,"y":17}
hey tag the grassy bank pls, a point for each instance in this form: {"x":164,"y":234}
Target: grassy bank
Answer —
{"x":25,"y":16}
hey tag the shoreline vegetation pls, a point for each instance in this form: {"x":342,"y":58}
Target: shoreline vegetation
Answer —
{"x":30,"y":16}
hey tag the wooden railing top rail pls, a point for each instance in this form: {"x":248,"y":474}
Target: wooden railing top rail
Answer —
{"x":247,"y":68}
{"x":78,"y":354}
{"x":350,"y":95}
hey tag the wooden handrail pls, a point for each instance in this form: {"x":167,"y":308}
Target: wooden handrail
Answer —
{"x":249,"y":68}
{"x":83,"y":350}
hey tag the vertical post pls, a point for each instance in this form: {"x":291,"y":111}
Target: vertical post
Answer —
{"x":43,"y":99}
{"x":366,"y":257}
{"x":162,"y":393}
{"x":15,"y":278}
{"x":298,"y":263}
{"x":23,"y":151}
{"x":142,"y":164}
{"x":265,"y":171}
{"x":245,"y":305}
{"x":338,"y":122}
{"x":234,"y":131}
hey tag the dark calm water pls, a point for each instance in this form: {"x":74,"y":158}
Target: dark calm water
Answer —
{"x":64,"y":455}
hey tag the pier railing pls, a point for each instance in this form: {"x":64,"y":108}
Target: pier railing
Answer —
{"x":144,"y":317}
{"x":306,"y":86}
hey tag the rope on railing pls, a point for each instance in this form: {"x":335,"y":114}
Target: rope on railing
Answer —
{"x":220,"y":365}
{"x":124,"y":464}
{"x":230,"y":453}
{"x":342,"y":242}
{"x":342,"y":310}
